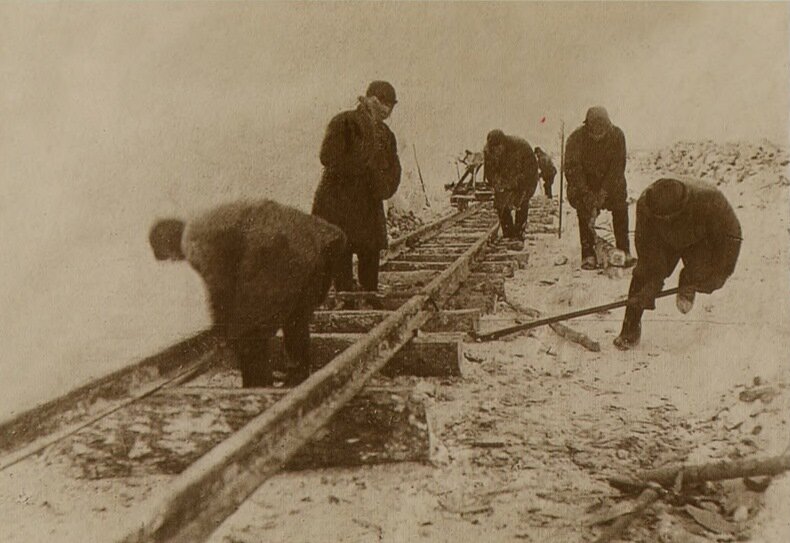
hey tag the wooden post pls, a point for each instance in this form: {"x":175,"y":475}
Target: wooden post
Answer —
{"x":562,"y":174}
{"x":419,"y":172}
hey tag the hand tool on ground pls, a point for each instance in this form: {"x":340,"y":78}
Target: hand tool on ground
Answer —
{"x":496,"y":334}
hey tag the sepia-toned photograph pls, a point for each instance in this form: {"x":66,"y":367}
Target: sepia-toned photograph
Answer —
{"x":317,"y":272}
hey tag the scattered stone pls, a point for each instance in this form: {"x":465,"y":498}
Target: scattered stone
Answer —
{"x":741,"y":514}
{"x":711,"y":521}
{"x":764,"y":393}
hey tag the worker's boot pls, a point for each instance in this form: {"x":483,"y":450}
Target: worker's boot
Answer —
{"x":685,"y":299}
{"x":589,"y":263}
{"x":629,"y":261}
{"x":631,"y":331}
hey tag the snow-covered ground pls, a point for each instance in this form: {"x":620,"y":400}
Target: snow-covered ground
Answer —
{"x":558,"y":418}
{"x":565,"y":418}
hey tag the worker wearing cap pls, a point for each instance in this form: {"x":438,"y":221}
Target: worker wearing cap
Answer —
{"x":679,"y":219}
{"x":547,"y":170}
{"x":266,"y":266}
{"x":595,"y":170}
{"x":512,"y":170}
{"x":361,"y":170}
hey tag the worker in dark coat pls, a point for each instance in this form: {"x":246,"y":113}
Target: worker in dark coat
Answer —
{"x":547,"y":170}
{"x":679,"y":219}
{"x":595,"y":170}
{"x":512,"y":171}
{"x":266,"y":267}
{"x":361,"y":170}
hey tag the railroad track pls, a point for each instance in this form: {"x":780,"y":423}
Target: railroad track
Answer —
{"x":175,"y":443}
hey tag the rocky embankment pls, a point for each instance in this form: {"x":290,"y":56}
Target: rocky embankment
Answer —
{"x":721,"y":163}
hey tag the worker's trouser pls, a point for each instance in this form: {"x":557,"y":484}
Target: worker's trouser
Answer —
{"x":547,"y":183}
{"x":367,"y":270}
{"x":253,"y":353}
{"x":510,"y":228}
{"x":587,"y":234}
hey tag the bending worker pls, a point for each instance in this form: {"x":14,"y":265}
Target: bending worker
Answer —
{"x":679,"y":219}
{"x":547,"y":170}
{"x":266,"y":267}
{"x":595,"y":170}
{"x":512,"y":170}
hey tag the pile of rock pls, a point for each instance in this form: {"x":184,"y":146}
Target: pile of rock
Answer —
{"x":720,"y":163}
{"x":400,"y":223}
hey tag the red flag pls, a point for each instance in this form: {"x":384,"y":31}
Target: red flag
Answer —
{"x":542,"y":120}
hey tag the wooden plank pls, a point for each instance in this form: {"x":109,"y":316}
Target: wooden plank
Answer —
{"x":87,"y":401}
{"x":458,"y":320}
{"x":165,"y":433}
{"x":413,"y":278}
{"x":431,"y":257}
{"x":405,"y":265}
{"x":504,"y":268}
{"x":434,"y":355}
{"x":402,"y":244}
{"x":468,"y":230}
{"x":455,"y":237}
{"x":449,"y":244}
{"x":475,"y":282}
{"x":359,"y":322}
{"x":377,"y":426}
{"x":522,"y":257}
{"x":465,"y":300}
{"x":508,"y":245}
{"x":366,"y":300}
{"x":429,"y":355}
{"x":431,"y":251}
{"x":199,"y":499}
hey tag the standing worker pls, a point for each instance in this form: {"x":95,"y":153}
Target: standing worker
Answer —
{"x":595,"y":169}
{"x":266,"y":267}
{"x":512,"y":170}
{"x":547,"y":170}
{"x":679,"y":219}
{"x":361,"y":170}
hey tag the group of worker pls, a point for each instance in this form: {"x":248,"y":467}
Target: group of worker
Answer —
{"x":267,"y":266}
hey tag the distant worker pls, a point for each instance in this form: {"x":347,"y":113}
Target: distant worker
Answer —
{"x":266,"y":267}
{"x":679,"y":219}
{"x":361,"y":170}
{"x":512,"y":171}
{"x":547,"y":170}
{"x":595,"y":170}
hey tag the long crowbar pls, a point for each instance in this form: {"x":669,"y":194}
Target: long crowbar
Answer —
{"x":496,"y":334}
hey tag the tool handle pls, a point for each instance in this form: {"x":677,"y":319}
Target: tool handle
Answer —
{"x":496,"y":334}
